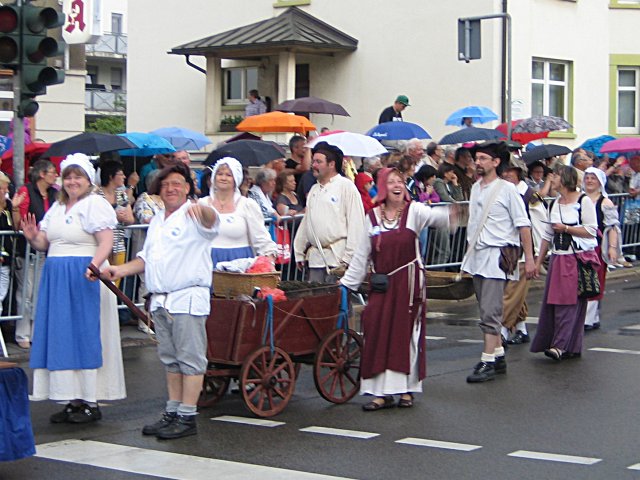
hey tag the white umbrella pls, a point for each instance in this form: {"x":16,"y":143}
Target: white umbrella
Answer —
{"x":351,"y":144}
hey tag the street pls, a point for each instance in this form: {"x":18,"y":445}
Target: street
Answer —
{"x":573,"y":419}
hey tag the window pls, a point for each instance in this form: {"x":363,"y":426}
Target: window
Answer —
{"x":116,"y":23}
{"x":116,"y":79}
{"x":237,"y":83}
{"x":92,"y":75}
{"x":627,"y":100}
{"x":550,"y":88}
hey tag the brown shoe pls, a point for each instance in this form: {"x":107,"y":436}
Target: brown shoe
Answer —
{"x":372,"y":406}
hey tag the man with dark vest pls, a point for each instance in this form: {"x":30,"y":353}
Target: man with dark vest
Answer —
{"x":35,"y":197}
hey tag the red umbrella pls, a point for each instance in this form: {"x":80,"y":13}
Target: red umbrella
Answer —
{"x":523,"y":138}
{"x":31,"y":152}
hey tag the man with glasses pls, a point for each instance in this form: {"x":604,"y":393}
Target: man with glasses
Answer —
{"x":36,"y":197}
{"x":177,"y":266}
{"x":498,"y":224}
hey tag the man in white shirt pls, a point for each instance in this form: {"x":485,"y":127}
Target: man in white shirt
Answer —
{"x":334,"y":222}
{"x":177,"y":266}
{"x":497,"y":219}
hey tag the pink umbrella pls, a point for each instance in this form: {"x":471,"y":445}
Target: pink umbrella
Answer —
{"x":621,"y":145}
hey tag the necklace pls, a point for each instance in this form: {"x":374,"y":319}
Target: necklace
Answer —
{"x":393,"y":222}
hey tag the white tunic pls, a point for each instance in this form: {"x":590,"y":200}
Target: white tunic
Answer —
{"x":336,"y":215}
{"x":506,"y":214}
{"x":177,"y":261}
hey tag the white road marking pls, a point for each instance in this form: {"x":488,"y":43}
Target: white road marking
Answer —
{"x":470,"y":340}
{"x":423,"y":442}
{"x":163,"y":464}
{"x":554,"y":457}
{"x":338,"y":432}
{"x":248,"y":421}
{"x":429,"y":337}
{"x":438,"y":314}
{"x":634,"y":467}
{"x":614,"y":350}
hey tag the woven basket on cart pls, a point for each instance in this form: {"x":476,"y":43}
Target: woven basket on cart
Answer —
{"x":443,"y":286}
{"x":227,"y":284}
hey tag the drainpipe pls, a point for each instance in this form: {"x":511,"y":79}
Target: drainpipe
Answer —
{"x":193,"y":65}
{"x":505,"y":99}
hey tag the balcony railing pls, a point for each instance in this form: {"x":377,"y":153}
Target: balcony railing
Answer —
{"x":105,"y":101}
{"x":110,"y":44}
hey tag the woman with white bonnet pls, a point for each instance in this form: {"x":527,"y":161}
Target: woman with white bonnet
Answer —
{"x":242,"y":233}
{"x":76,"y":354}
{"x":609,"y":237}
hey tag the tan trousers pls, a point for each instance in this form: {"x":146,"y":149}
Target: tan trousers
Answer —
{"x":514,"y":301}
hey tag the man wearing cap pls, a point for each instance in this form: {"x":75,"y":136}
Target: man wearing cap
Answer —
{"x":498,"y":223}
{"x":394,"y":112}
{"x":334,"y":222}
{"x":515,"y":308}
{"x":177,"y":266}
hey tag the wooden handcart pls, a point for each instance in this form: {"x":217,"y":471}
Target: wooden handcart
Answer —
{"x":262,"y":347}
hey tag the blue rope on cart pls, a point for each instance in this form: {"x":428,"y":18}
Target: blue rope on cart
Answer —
{"x":269,"y":326}
{"x":343,"y":316}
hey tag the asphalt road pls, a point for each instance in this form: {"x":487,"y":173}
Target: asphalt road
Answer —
{"x":575,"y":419}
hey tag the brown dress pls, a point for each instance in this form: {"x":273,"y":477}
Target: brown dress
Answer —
{"x":388,"y":319}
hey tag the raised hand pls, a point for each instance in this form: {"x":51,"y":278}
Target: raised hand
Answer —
{"x":30,"y":227}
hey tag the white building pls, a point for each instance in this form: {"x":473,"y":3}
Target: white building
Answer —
{"x":575,"y":59}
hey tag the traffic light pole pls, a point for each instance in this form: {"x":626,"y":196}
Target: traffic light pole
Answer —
{"x":18,"y":127}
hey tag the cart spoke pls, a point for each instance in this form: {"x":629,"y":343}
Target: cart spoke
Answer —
{"x":261,"y":401}
{"x":254,"y":392}
{"x":279,"y":369}
{"x":334,"y":382}
{"x":326,"y":377}
{"x":270,"y":396}
{"x":329,"y":365}
{"x":350,"y":378}
{"x":279,"y":392}
{"x":342,"y":387}
{"x":272,"y":361}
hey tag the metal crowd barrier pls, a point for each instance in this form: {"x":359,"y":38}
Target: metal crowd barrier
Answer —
{"x":441,"y":250}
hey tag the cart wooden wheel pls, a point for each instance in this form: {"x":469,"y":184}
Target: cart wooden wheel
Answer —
{"x":267,"y":381}
{"x":336,"y":368}
{"x":213,"y":389}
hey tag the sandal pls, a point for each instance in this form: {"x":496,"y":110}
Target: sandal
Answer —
{"x":554,"y":353}
{"x":405,"y":402}
{"x":372,"y":406}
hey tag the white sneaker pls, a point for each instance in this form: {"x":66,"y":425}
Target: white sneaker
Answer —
{"x":144,"y":328}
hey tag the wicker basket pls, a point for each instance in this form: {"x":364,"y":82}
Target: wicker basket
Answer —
{"x":226,"y":284}
{"x":443,"y":286}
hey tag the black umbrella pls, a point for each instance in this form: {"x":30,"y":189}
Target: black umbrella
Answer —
{"x":312,"y":105}
{"x":89,"y":143}
{"x":545,"y":151}
{"x":250,"y":153}
{"x":471,"y":134}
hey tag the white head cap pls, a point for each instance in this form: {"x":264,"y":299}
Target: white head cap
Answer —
{"x":602,"y":178}
{"x":236,"y":170}
{"x":82,"y":161}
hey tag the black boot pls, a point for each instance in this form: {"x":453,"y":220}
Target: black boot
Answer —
{"x":482,"y":372}
{"x":167,"y":419}
{"x":183,"y":426}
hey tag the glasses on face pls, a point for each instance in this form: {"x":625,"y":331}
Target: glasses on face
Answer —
{"x":171,"y":184}
{"x":483,"y":158}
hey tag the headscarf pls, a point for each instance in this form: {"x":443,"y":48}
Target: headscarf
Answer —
{"x":383,"y":175}
{"x":601,"y":176}
{"x":82,"y":161}
{"x":236,"y":170}
{"x":361,"y":180}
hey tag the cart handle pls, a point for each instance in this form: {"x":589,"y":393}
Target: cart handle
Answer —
{"x":118,"y":293}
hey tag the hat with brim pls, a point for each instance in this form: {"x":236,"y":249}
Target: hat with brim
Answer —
{"x":403,"y":99}
{"x":495,"y":148}
{"x":538,"y":163}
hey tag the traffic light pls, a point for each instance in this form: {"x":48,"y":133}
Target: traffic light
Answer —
{"x":9,"y":36}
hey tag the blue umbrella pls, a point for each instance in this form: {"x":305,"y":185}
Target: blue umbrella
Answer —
{"x":477,"y":114}
{"x":147,"y":144}
{"x":398,"y":131}
{"x":471,"y":134}
{"x":595,"y":144}
{"x":182,"y":138}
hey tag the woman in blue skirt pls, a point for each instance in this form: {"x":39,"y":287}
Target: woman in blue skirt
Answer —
{"x":76,"y":353}
{"x":242,"y":233}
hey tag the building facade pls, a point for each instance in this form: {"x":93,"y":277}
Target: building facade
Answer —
{"x":193,"y":64}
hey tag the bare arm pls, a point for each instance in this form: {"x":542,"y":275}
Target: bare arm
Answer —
{"x":114,"y":272}
{"x":527,"y":245}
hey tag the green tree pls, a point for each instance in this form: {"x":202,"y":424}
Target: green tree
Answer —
{"x":111,"y":124}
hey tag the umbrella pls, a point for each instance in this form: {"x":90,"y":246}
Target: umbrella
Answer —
{"x":398,"y":131}
{"x":471,"y":134}
{"x":276,"y":122}
{"x":351,"y":144}
{"x":312,"y":105}
{"x":250,"y":153}
{"x":89,"y":143}
{"x":477,"y":114}
{"x":595,"y":144}
{"x":147,"y":144}
{"x":621,"y":145}
{"x":243,"y":136}
{"x":544,"y":151}
{"x":182,"y":138}
{"x":541,"y":123}
{"x":31,"y":152}
{"x":523,"y":138}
